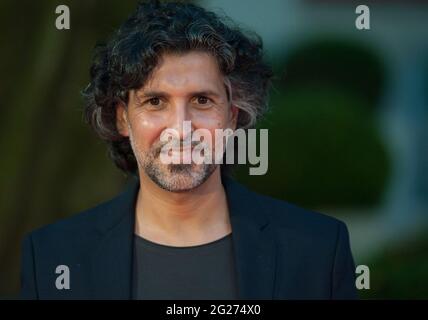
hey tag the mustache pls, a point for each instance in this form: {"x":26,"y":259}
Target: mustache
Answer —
{"x":174,"y":144}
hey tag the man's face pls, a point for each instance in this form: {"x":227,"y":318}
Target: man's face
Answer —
{"x":186,"y":87}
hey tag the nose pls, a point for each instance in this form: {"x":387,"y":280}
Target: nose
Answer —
{"x":181,"y":121}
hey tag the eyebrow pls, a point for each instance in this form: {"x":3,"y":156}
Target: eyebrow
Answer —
{"x":164,"y":94}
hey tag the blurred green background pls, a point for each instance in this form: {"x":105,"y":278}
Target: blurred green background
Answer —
{"x":347,"y":124}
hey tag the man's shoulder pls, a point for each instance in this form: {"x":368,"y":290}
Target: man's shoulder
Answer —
{"x":76,"y":225}
{"x":307,"y":230}
{"x":91,"y":220}
{"x":290,"y":216}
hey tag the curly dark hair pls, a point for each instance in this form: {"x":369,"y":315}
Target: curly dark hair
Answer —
{"x":126,"y":61}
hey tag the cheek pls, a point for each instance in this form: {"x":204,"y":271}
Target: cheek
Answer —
{"x":212,"y":121}
{"x":146,"y":130}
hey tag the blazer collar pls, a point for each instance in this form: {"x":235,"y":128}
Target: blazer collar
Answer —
{"x":252,"y":234}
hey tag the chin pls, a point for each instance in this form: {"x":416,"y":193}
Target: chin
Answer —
{"x":182,"y":177}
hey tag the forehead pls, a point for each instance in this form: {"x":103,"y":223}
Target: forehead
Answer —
{"x":190,"y":70}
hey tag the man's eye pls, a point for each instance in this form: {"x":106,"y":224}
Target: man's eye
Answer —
{"x":201,"y":100}
{"x":154,"y":101}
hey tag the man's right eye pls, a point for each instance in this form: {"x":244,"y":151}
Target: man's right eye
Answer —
{"x":154,"y":101}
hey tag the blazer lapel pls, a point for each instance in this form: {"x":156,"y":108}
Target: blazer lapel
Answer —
{"x":254,"y":243}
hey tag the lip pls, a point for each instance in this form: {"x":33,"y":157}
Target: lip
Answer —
{"x":178,"y":150}
{"x":181,"y":149}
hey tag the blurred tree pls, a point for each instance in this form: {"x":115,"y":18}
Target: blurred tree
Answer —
{"x":344,"y":64}
{"x":400,"y":271}
{"x":324,"y":150}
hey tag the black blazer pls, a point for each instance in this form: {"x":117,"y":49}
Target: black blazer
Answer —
{"x":281,"y":251}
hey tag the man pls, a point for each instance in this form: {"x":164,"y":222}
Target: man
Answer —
{"x":183,"y":231}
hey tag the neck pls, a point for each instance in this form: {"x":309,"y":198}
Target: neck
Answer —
{"x":184,"y":218}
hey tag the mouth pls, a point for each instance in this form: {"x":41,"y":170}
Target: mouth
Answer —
{"x":182,"y":149}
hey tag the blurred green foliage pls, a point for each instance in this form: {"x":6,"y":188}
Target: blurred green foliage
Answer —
{"x":400,"y":271}
{"x":330,"y":61}
{"x":324,"y":150}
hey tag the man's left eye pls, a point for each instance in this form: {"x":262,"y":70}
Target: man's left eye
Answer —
{"x":202,"y":100}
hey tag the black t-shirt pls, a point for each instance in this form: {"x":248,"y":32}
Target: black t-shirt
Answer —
{"x":204,"y":271}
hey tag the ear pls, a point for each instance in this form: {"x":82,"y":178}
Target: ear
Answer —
{"x":122,"y":120}
{"x":233,"y":117}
